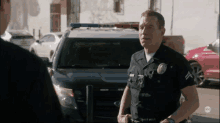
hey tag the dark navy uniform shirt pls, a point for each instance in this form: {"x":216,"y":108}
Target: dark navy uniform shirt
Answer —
{"x":156,"y":85}
{"x":26,"y":91}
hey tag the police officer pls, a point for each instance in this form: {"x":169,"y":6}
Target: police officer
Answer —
{"x":157,"y":77}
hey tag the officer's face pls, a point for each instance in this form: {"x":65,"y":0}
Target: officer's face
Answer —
{"x":5,"y":12}
{"x":149,"y":32}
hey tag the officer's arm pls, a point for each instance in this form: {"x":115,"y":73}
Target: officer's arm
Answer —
{"x":126,"y":97}
{"x":125,"y":101}
{"x":188,"y":89}
{"x":190,"y":104}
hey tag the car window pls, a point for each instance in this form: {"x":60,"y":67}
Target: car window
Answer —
{"x":51,"y":38}
{"x":43,"y":39}
{"x":98,"y":52}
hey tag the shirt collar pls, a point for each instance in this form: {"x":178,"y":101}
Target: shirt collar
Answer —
{"x":158,"y":54}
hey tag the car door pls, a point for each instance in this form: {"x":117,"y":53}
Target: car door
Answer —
{"x":40,"y":47}
{"x":48,"y":45}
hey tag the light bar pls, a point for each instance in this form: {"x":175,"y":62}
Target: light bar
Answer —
{"x":78,"y":25}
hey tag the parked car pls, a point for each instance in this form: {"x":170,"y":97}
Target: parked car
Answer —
{"x":205,"y":63}
{"x":95,"y":56}
{"x":46,"y":46}
{"x":21,"y":38}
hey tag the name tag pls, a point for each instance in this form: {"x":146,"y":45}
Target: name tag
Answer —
{"x":131,"y":75}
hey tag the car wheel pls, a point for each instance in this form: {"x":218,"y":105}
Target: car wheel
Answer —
{"x":198,"y":74}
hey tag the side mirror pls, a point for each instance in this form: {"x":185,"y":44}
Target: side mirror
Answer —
{"x":46,"y":61}
{"x":209,"y":46}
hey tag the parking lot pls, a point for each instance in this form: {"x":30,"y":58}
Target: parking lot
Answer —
{"x":208,"y":112}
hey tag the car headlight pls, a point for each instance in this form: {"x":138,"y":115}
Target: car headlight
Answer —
{"x":63,"y":91}
{"x":66,"y":96}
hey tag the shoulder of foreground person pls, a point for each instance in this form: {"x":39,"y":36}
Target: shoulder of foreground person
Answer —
{"x":30,"y":87}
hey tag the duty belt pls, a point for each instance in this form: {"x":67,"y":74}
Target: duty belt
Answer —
{"x":140,"y":120}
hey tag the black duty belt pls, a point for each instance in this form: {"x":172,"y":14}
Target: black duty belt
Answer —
{"x":147,"y":120}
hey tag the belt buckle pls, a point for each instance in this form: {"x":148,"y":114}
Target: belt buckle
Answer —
{"x":135,"y":121}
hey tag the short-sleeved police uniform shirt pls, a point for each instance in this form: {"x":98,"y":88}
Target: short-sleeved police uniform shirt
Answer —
{"x":26,"y":91}
{"x":156,"y":85}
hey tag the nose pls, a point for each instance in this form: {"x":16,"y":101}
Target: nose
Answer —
{"x":144,"y":31}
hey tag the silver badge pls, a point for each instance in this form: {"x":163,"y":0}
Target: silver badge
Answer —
{"x":161,"y":68}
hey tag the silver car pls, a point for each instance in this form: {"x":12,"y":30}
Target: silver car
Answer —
{"x":21,"y":38}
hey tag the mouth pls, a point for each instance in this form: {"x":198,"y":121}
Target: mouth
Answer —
{"x":145,"y":38}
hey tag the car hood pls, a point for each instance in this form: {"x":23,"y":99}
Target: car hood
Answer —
{"x":198,"y":50}
{"x":82,"y":77}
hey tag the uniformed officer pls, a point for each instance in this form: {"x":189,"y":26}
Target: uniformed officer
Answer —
{"x":157,"y":77}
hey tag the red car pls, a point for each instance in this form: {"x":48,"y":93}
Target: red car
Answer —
{"x":205,"y":63}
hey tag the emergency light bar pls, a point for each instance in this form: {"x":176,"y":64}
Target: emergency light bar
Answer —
{"x":78,"y":25}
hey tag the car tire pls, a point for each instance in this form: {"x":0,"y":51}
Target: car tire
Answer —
{"x":198,"y":74}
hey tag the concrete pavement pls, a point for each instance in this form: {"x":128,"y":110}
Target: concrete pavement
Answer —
{"x":208,"y":112}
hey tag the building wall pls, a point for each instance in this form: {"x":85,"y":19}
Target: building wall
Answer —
{"x":33,"y":15}
{"x":102,"y":11}
{"x":196,"y":20}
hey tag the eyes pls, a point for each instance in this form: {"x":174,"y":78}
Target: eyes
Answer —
{"x":147,"y":27}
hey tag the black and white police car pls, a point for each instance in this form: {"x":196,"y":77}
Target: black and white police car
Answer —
{"x":96,"y":57}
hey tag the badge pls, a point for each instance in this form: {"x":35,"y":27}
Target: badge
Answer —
{"x":161,"y":68}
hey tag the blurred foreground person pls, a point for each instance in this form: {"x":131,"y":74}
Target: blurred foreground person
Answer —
{"x":158,"y":76}
{"x":26,"y":91}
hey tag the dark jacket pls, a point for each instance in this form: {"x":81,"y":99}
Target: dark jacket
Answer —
{"x":26,"y":91}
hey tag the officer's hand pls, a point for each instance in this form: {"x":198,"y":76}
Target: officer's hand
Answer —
{"x":124,"y":118}
{"x":164,"y":121}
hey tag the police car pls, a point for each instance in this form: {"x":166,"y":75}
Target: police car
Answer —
{"x":90,"y":55}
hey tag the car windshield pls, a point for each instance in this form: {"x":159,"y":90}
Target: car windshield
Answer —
{"x":98,"y":53}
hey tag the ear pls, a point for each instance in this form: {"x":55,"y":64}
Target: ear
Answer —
{"x":163,"y":30}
